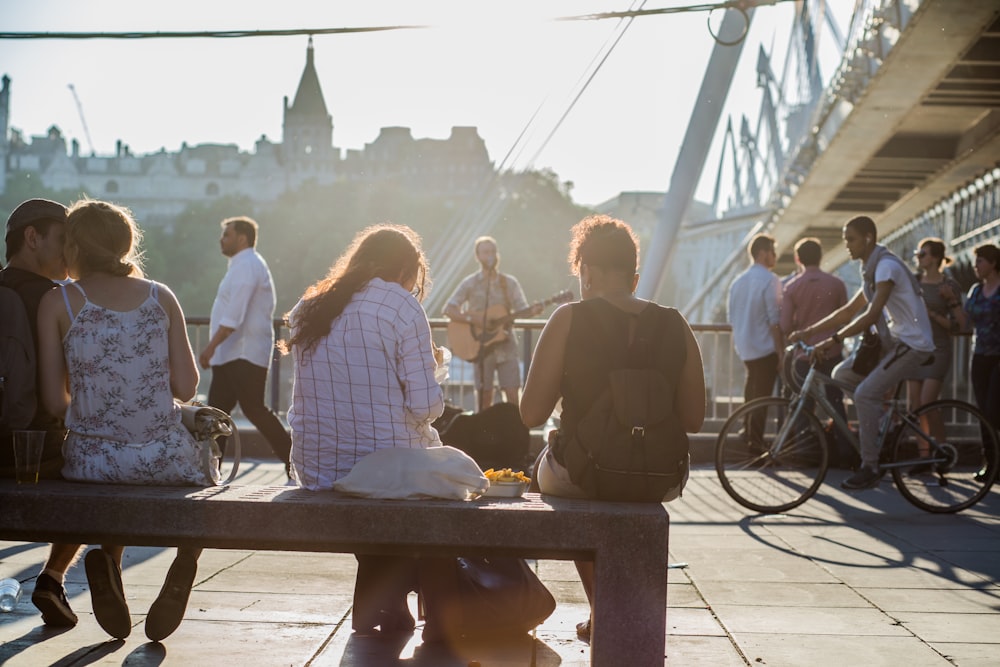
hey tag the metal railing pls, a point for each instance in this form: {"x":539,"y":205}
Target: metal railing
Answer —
{"x":724,"y":372}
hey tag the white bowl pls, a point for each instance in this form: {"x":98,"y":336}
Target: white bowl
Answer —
{"x":506,"y":489}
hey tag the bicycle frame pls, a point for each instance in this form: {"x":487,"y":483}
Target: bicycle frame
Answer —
{"x":812,"y":386}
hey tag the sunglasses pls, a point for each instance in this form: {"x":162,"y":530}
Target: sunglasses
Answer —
{"x":921,"y":254}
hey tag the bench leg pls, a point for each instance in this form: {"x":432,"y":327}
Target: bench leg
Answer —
{"x":629,"y":618}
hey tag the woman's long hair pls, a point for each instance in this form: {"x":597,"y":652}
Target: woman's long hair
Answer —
{"x":390,"y":252}
{"x":102,"y":237}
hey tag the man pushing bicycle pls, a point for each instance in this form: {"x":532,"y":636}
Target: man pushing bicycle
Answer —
{"x":889,"y":300}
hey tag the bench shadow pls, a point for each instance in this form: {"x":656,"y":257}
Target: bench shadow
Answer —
{"x":387,"y":651}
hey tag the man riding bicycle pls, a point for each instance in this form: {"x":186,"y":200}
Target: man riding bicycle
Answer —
{"x":890,"y":300}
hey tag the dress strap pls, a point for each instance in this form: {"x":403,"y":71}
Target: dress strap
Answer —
{"x":65,"y":296}
{"x":152,"y":289}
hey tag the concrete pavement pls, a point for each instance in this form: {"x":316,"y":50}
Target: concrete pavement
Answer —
{"x":861,"y":579}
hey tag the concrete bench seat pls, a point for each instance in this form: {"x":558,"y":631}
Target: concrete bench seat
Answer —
{"x":626,"y":542}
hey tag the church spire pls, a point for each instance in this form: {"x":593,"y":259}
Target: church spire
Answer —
{"x":309,"y":96}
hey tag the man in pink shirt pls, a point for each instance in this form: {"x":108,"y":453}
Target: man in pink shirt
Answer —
{"x":807,"y":298}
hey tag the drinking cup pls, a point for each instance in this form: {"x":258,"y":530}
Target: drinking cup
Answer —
{"x":28,"y":447}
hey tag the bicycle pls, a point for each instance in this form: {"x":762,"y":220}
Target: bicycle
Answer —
{"x":943,"y":456}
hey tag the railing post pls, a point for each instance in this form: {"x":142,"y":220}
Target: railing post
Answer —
{"x":276,"y":368}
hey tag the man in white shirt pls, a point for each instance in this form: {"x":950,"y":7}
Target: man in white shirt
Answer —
{"x":242,"y":335}
{"x":754,"y":307}
{"x":888,"y":289}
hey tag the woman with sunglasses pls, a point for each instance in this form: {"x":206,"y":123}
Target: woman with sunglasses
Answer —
{"x":943,"y":298}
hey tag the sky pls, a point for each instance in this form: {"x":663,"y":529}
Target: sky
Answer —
{"x":489,"y":65}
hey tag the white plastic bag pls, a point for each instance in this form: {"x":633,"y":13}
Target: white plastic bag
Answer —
{"x":402,"y":473}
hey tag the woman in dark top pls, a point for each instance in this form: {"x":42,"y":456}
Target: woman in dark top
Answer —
{"x":983,"y":307}
{"x":576,"y":348}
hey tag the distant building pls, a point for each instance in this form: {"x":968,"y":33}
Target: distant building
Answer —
{"x":159,"y":186}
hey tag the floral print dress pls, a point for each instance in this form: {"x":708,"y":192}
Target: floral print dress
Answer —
{"x":124,"y":426}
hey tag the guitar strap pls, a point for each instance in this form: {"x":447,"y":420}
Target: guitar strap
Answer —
{"x":506,"y":299}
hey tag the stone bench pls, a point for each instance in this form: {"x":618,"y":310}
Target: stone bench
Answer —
{"x":626,"y":542}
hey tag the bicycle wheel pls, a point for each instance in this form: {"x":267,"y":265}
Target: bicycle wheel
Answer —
{"x":771,"y":476}
{"x":955,"y":470}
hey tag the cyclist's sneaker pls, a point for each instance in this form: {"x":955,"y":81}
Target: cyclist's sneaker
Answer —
{"x":50,"y":598}
{"x":864,"y":478}
{"x":980,"y":475}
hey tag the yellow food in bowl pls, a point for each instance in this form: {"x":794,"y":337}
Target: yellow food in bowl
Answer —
{"x":506,"y":475}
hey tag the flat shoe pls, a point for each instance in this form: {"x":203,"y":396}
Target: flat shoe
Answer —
{"x":106,"y":594}
{"x":49,"y":597}
{"x":167,"y":610}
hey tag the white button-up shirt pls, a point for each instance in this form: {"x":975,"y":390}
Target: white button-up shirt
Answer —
{"x":754,"y":307}
{"x":245,"y":302}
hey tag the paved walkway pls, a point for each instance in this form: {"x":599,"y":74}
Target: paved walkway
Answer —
{"x":844,"y":580}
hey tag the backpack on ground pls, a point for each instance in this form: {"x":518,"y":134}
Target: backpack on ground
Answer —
{"x":629,"y":445}
{"x":495,"y":437}
{"x":17,"y":363}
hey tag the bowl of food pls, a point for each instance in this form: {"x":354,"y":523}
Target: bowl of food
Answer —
{"x":506,"y":483}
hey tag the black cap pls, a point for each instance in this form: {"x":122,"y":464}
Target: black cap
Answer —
{"x":34,"y":210}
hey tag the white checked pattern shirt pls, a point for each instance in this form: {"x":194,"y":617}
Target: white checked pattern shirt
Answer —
{"x":245,"y":302}
{"x":369,"y":384}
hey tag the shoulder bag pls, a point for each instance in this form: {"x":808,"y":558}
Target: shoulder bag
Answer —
{"x":868,"y":353}
{"x":481,"y":597}
{"x":207,"y":424}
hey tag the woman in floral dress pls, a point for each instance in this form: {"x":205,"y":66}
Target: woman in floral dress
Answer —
{"x":113,"y":355}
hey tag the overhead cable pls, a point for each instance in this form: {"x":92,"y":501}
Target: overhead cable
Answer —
{"x":740,"y":5}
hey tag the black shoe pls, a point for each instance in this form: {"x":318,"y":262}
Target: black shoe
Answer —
{"x":49,"y":597}
{"x":980,"y":475}
{"x":864,"y":478}
{"x":167,"y":610}
{"x":107,"y":595}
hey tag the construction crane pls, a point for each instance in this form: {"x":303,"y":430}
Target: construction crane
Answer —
{"x":79,"y":109}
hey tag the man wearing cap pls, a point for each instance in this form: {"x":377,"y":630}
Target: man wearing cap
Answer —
{"x":34,"y":242}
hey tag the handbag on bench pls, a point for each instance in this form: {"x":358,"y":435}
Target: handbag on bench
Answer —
{"x":207,"y":424}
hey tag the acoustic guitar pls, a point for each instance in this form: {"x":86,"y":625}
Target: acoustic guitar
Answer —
{"x":467,"y":340}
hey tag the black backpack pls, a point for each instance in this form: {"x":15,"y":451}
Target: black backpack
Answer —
{"x":495,"y":437}
{"x":17,"y":363}
{"x":629,"y":445}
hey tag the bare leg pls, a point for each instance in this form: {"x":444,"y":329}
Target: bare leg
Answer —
{"x":585,"y":569}
{"x":485,"y":398}
{"x":61,"y":558}
{"x":511,"y":395}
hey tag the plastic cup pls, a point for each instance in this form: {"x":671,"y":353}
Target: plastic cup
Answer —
{"x":28,"y":447}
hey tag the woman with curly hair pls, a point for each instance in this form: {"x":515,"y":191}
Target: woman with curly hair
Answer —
{"x":576,"y":349}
